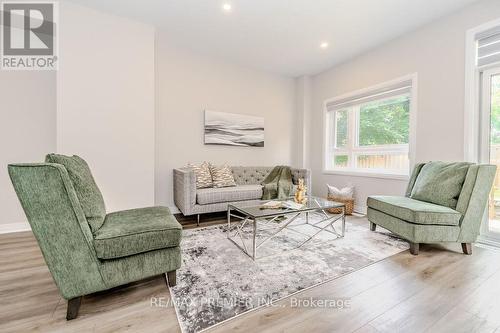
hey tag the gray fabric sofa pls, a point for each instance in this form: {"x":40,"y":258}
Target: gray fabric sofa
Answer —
{"x":192,"y":201}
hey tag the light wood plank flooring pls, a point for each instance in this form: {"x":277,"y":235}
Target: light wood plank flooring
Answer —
{"x":441,"y":290}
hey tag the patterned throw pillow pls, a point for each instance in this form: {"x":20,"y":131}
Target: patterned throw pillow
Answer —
{"x":222,"y":176}
{"x":203,"y":176}
{"x":345,"y":193}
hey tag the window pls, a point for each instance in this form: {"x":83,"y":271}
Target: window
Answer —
{"x":488,"y":47}
{"x":369,"y":131}
{"x":482,"y":114}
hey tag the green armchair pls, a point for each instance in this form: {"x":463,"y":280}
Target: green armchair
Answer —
{"x":87,"y":250}
{"x":444,"y":202}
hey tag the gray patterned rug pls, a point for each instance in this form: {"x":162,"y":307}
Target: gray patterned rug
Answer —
{"x":217,"y":281}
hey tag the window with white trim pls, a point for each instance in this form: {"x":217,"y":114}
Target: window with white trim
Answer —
{"x":369,"y":131}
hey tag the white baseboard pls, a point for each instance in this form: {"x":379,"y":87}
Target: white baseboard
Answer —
{"x":360,"y":209}
{"x":14,"y":227}
{"x":174,"y":210}
{"x":488,"y":242}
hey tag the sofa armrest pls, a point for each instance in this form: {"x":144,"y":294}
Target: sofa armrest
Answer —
{"x":185,"y":190}
{"x":413,"y":178}
{"x":477,"y":205}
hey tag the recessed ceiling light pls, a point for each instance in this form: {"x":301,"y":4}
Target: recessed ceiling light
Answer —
{"x":226,"y":7}
{"x":323,"y":45}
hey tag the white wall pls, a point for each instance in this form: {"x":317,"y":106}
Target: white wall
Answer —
{"x":27,"y":132}
{"x":187,"y":84}
{"x":106,"y":106}
{"x":437,"y":53}
{"x":105,"y":102}
{"x":303,"y":101}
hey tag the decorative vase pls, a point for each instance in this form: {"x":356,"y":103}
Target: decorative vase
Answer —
{"x":300,"y":194}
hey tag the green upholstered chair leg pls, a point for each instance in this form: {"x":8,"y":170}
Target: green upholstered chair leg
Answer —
{"x":171,"y":278}
{"x":373,"y":226}
{"x":467,"y":248}
{"x":73,"y":307}
{"x":414,"y":248}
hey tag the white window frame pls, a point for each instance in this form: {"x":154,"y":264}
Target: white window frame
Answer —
{"x":353,"y":149}
{"x":493,"y":238}
{"x":472,"y":109}
{"x":475,"y":112}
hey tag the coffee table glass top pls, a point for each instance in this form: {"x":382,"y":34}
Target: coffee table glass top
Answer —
{"x":255,"y":210}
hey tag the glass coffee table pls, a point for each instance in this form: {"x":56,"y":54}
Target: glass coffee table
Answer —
{"x":256,"y":226}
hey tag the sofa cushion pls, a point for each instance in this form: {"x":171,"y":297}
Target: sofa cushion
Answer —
{"x":440,"y":183}
{"x":86,"y":189}
{"x":134,"y":231}
{"x":227,"y":194}
{"x":414,"y":211}
{"x":250,"y":175}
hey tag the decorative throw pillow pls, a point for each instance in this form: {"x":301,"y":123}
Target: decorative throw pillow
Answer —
{"x":344,"y":193}
{"x":203,"y":176}
{"x":222,"y":176}
{"x":440,"y":183}
{"x":86,"y":189}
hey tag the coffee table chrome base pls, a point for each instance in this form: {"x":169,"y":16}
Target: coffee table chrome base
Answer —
{"x":324,"y":225}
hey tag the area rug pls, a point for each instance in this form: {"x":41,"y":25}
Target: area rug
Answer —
{"x":217,"y":281}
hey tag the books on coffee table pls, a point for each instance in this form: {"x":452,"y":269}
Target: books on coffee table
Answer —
{"x":281,"y":204}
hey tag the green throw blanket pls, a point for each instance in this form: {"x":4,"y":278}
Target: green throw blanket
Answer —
{"x":278,"y":184}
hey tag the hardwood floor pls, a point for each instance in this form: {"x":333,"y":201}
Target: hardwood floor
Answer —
{"x":440,"y":290}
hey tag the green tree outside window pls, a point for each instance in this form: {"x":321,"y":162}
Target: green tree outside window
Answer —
{"x":384,"y":122}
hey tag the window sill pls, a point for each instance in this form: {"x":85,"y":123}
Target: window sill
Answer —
{"x":363,"y":173}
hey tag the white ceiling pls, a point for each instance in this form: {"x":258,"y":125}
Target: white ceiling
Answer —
{"x":282,"y":36}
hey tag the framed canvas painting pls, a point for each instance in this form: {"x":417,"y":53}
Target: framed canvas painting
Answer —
{"x":233,"y":129}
